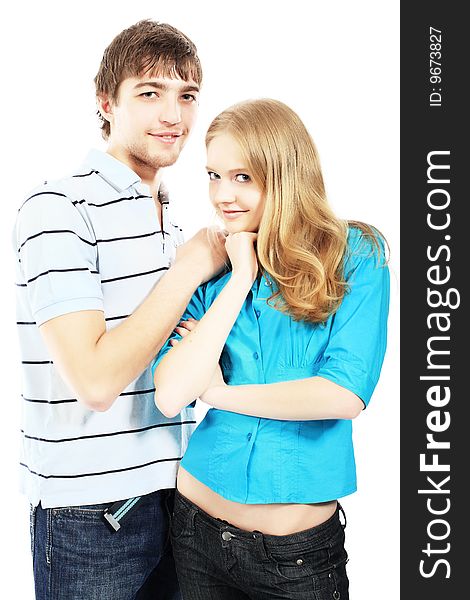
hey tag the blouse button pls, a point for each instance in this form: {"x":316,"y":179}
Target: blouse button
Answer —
{"x":256,"y":356}
{"x":257,"y":312}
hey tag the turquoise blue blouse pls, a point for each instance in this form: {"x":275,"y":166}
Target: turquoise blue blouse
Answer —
{"x":254,"y":460}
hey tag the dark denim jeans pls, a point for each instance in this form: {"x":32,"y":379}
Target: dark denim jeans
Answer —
{"x":216,"y":561}
{"x":76,"y":556}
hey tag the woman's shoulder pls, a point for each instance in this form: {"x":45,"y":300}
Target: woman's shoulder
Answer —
{"x":365,"y":242}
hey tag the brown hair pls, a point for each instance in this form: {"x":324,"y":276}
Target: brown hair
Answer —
{"x":146,"y":47}
{"x":301,"y":243}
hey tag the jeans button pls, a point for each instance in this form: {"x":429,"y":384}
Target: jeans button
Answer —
{"x":300,"y":562}
{"x":227,"y":536}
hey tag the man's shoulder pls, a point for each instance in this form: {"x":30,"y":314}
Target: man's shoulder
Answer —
{"x":50,"y":193}
{"x":54,"y":204}
{"x":73,"y":188}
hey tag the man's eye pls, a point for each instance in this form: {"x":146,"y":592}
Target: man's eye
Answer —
{"x":242,"y":178}
{"x":213,"y":176}
{"x":189,"y":97}
{"x":149,"y":95}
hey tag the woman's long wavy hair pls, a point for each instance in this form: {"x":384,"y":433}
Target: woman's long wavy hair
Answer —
{"x":301,"y":243}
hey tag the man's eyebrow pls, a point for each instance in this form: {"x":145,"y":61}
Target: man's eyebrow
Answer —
{"x":158,"y":85}
{"x":190,"y":88}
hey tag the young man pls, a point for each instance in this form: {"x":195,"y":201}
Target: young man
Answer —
{"x":91,"y":248}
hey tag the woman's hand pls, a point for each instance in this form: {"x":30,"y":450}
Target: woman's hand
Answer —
{"x":184,"y":328}
{"x":241,"y":252}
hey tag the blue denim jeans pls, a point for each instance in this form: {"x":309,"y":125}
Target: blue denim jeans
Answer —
{"x":217,"y":561}
{"x":77,"y":557}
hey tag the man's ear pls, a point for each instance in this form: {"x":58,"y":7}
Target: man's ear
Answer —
{"x":105,"y":106}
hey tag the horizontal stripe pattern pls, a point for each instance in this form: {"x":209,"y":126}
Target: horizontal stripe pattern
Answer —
{"x":41,"y":401}
{"x":48,"y":193}
{"x":132,"y":275}
{"x":51,"y":232}
{"x":118,"y":317}
{"x":91,"y":242}
{"x":105,"y":435}
{"x":46,"y":401}
{"x":49,"y":271}
{"x":114,"y":201}
{"x":92,"y":172}
{"x":122,"y":470}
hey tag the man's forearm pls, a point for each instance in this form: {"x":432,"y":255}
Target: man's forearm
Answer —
{"x":126,"y":350}
{"x":103,"y":363}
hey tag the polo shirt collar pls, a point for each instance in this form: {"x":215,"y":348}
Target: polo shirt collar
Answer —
{"x":116,"y":173}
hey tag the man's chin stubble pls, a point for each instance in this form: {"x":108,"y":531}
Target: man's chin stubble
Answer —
{"x":146,"y":161}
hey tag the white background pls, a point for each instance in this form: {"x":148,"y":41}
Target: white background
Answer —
{"x":335,"y":63}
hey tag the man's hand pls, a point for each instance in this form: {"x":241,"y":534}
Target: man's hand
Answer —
{"x":203,"y":254}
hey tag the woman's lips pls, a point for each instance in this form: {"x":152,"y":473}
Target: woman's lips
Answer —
{"x":233,"y":214}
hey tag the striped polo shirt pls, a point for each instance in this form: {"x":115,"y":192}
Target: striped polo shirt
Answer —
{"x":91,"y":241}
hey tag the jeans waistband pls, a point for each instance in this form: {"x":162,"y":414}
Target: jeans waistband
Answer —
{"x":320,"y":532}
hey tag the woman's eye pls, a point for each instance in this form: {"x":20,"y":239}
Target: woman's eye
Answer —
{"x":242,"y":178}
{"x":213,"y":176}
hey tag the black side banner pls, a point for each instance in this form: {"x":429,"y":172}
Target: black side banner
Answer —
{"x":435,"y":357}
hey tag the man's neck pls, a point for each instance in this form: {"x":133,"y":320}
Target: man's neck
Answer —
{"x":149,"y":176}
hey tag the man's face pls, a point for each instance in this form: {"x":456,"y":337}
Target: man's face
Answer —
{"x":151,"y":121}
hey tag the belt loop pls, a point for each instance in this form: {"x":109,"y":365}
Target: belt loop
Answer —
{"x":192,"y":518}
{"x":261,"y":543}
{"x":341,"y":510}
{"x":188,"y":508}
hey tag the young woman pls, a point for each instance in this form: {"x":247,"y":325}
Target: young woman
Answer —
{"x":286,"y":347}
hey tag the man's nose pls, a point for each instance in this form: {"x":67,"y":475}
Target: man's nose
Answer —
{"x":170,"y":111}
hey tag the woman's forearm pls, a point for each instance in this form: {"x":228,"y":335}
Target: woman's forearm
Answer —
{"x":187,"y":369}
{"x":300,"y":400}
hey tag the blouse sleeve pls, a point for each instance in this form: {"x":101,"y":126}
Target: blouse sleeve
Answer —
{"x":194,"y":310}
{"x":354,"y":355}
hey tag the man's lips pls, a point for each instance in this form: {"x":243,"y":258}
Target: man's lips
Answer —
{"x":168,"y":137}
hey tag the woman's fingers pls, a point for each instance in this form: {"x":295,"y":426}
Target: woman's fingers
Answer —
{"x":183,"y":328}
{"x":189,"y":324}
{"x":241,"y":251}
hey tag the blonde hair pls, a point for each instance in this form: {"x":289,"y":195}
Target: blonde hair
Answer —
{"x":301,"y":243}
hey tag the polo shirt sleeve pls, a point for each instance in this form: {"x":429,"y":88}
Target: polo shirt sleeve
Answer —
{"x":195,"y":310}
{"x":354,"y":355}
{"x":57,"y":253}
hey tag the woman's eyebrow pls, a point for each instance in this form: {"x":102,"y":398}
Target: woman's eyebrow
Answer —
{"x":237,"y":170}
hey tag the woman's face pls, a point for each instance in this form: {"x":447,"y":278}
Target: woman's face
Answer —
{"x":238,"y":200}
